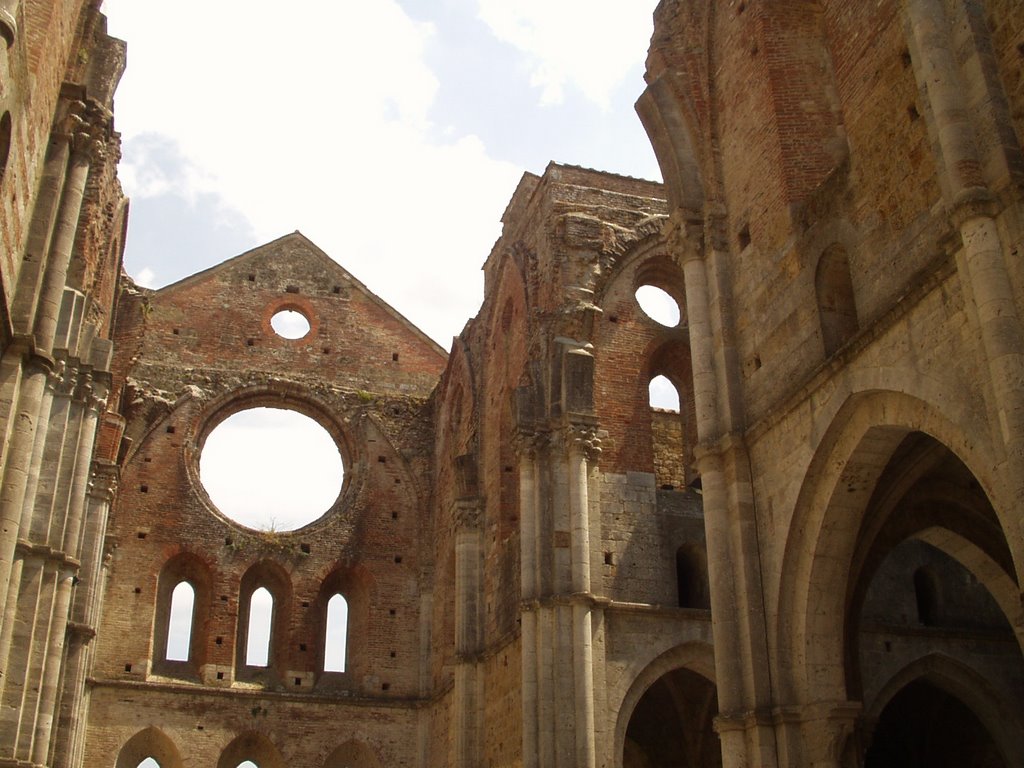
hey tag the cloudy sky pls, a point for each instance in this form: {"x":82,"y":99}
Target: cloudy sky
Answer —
{"x":392,"y":132}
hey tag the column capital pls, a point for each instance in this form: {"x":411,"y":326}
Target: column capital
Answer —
{"x":684,"y":234}
{"x":528,"y":445}
{"x":826,"y":728}
{"x":467,"y":515}
{"x":582,"y":438}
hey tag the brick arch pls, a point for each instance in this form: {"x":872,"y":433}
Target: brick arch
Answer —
{"x":1003,"y":720}
{"x":352,"y":754}
{"x":696,"y":657}
{"x":149,"y":742}
{"x":251,"y":746}
{"x":503,"y":369}
{"x":272,"y":576}
{"x":457,"y":411}
{"x":190,"y":567}
{"x":671,"y":358}
{"x":827,"y":520}
{"x":631,"y":349}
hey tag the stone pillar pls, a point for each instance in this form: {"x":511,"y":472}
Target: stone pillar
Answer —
{"x":85,"y":609}
{"x":33,"y":375}
{"x":93,"y":394}
{"x":982,"y":265}
{"x":468,"y":634}
{"x":742,"y":661}
{"x":529,"y":592}
{"x":583,"y":447}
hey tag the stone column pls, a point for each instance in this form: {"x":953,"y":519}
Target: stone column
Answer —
{"x":982,"y":264}
{"x":583,"y":447}
{"x":468,"y":635}
{"x":734,"y":570}
{"x":33,"y":376}
{"x":529,"y":592}
{"x":85,"y":609}
{"x":93,"y":394}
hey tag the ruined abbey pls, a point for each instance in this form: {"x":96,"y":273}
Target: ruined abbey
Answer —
{"x":817,"y":561}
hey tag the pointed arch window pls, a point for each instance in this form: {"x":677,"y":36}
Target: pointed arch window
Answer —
{"x":149,"y":762}
{"x":837,"y":309}
{"x":182,"y":606}
{"x":663,"y":393}
{"x":180,"y":621}
{"x":336,"y":634}
{"x":258,"y":628}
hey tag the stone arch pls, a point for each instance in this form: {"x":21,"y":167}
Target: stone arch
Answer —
{"x":668,"y":123}
{"x":149,"y":742}
{"x":352,"y":754}
{"x":251,"y":746}
{"x":696,"y":657}
{"x":827,"y":518}
{"x":694,"y":660}
{"x":183,"y":567}
{"x":1003,"y":721}
{"x":271,"y":576}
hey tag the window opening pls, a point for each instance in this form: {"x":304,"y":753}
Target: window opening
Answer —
{"x":179,"y":623}
{"x":257,"y":639}
{"x":247,"y":764}
{"x":926,"y":593}
{"x":837,"y":308}
{"x":663,"y":394}
{"x":289,"y":324}
{"x":149,"y":762}
{"x":690,"y":581}
{"x":658,"y":305}
{"x":336,"y":634}
{"x":5,"y":141}
{"x":271,"y":469}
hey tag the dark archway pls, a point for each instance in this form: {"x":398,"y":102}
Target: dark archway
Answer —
{"x":671,"y":725}
{"x":924,"y":726}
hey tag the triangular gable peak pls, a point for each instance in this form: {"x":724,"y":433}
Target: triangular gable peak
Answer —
{"x":224,"y":318}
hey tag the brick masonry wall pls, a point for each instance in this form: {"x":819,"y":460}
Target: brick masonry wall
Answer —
{"x":186,"y":356}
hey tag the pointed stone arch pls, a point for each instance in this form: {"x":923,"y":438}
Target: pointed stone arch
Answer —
{"x":149,"y":742}
{"x":827,"y":526}
{"x":695,"y":659}
{"x":1004,"y":723}
{"x":251,"y":746}
{"x":353,"y":754}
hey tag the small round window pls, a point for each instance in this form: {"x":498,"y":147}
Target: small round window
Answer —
{"x":289,"y":324}
{"x":271,"y":469}
{"x":658,"y":305}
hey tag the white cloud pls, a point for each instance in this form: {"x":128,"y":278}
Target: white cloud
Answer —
{"x":315,"y":116}
{"x":146,"y":278}
{"x":590,"y":45}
